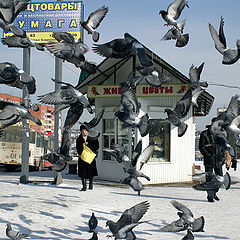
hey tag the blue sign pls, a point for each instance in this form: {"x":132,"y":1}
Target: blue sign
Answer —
{"x":41,"y":19}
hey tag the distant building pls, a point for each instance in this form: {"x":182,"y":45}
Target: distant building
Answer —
{"x":44,"y":115}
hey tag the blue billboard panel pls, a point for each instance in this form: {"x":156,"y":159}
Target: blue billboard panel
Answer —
{"x":41,"y":19}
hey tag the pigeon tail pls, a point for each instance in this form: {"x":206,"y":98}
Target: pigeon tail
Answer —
{"x":198,"y":224}
{"x":182,"y":41}
{"x":182,"y":129}
{"x":95,"y":36}
{"x":230,"y":56}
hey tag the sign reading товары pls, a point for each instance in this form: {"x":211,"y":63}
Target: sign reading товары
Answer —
{"x":40,"y":20}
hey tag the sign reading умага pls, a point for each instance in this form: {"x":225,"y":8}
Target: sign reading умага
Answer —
{"x":41,"y":19}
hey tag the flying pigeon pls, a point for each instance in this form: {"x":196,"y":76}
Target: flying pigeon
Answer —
{"x":129,"y":112}
{"x":173,"y":12}
{"x":186,"y":220}
{"x":14,"y":77}
{"x":230,"y":55}
{"x":60,"y":157}
{"x":122,"y":229}
{"x":180,"y":111}
{"x":93,"y":21}
{"x":123,"y":47}
{"x":134,"y":183}
{"x":92,"y":223}
{"x":14,"y":235}
{"x":194,"y":75}
{"x":177,"y":34}
{"x":118,"y":152}
{"x":195,"y":94}
{"x":214,"y":183}
{"x":153,"y":76}
{"x":9,"y":10}
{"x":67,"y":49}
{"x":14,"y":41}
{"x":66,"y":97}
{"x":12,"y":113}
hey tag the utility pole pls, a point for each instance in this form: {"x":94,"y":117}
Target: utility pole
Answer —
{"x":25,"y":125}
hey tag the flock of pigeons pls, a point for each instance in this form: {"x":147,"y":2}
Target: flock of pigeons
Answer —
{"x":129,"y":110}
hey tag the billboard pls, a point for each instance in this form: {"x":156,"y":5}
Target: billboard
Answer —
{"x":41,"y":19}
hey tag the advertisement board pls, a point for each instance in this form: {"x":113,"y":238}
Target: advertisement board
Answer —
{"x":41,"y":19}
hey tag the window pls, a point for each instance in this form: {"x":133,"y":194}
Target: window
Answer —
{"x":159,"y":135}
{"x":112,"y":134}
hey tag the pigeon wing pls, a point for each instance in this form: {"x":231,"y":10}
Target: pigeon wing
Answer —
{"x":20,"y":5}
{"x":198,"y":224}
{"x":64,"y":36}
{"x":73,"y":115}
{"x":183,"y":105}
{"x":133,"y":214}
{"x":181,"y":207}
{"x":175,"y":8}
{"x":221,"y":33}
{"x":94,"y":122}
{"x":60,"y":49}
{"x":8,"y":110}
{"x":145,"y":155}
{"x":136,"y":153}
{"x":218,"y":44}
{"x":175,"y":226}
{"x":95,"y":18}
{"x":195,"y":72}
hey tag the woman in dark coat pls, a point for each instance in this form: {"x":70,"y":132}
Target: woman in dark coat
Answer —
{"x":86,"y":170}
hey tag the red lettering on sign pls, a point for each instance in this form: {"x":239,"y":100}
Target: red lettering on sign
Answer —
{"x":106,"y":91}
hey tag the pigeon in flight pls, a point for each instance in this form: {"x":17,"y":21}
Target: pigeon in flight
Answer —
{"x":177,"y":34}
{"x":93,"y":21}
{"x":9,"y":10}
{"x":92,"y":223}
{"x":186,"y":220}
{"x":60,"y":157}
{"x":195,"y":94}
{"x":129,"y":112}
{"x":214,"y":183}
{"x":14,"y":235}
{"x":14,"y":41}
{"x":173,"y":12}
{"x":67,"y":49}
{"x":194,"y":75}
{"x":65,"y":97}
{"x":14,"y":77}
{"x":118,"y":152}
{"x":123,"y":47}
{"x":122,"y":229}
{"x":180,"y":111}
{"x":230,"y":55}
{"x":153,"y":76}
{"x":12,"y":113}
{"x":134,"y":183}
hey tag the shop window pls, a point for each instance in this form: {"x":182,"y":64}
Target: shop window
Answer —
{"x":159,"y":135}
{"x":112,"y":134}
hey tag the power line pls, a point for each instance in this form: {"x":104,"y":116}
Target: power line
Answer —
{"x":223,"y":85}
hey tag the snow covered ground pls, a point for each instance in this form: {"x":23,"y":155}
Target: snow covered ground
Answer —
{"x":46,"y":211}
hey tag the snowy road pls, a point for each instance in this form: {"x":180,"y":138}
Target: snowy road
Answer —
{"x":45,"y":211}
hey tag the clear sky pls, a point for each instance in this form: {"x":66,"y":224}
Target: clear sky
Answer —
{"x":142,"y":20}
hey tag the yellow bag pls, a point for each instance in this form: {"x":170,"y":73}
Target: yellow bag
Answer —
{"x":87,"y":154}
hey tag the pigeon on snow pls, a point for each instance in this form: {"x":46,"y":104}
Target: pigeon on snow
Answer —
{"x":230,"y":55}
{"x":123,"y":47}
{"x":173,"y":12}
{"x":186,"y":220}
{"x":9,"y":10}
{"x":177,"y":34}
{"x":14,"y":235}
{"x":93,"y":21}
{"x":122,"y":229}
{"x":92,"y":223}
{"x":214,"y":183}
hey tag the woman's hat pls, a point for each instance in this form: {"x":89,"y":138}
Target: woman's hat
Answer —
{"x":83,"y":127}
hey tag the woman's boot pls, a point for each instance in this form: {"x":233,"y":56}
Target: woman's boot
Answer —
{"x":84,"y":184}
{"x":90,"y":183}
